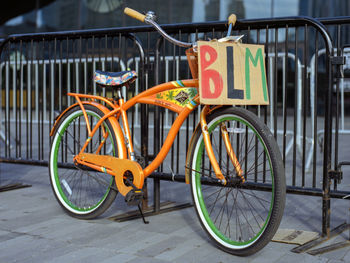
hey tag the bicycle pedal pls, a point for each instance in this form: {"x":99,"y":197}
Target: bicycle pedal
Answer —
{"x":134,"y":197}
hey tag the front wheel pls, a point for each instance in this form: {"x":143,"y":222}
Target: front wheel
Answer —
{"x":240,"y":217}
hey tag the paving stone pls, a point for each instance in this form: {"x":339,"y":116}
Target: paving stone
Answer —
{"x":346,"y":257}
{"x":336,"y":261}
{"x":120,"y":258}
{"x":144,"y":242}
{"x":166,"y":245}
{"x":17,"y":247}
{"x":301,"y":258}
{"x":86,"y":254}
{"x":207,"y":252}
{"x":168,"y":226}
{"x":120,"y":239}
{"x":38,"y":250}
{"x":338,"y":254}
{"x":51,"y":250}
{"x":180,"y":249}
{"x":90,"y":233}
{"x":189,"y":230}
{"x":148,"y":260}
{"x":270,"y":253}
{"x":65,"y":230}
{"x":37,"y":228}
{"x":7,"y":235}
{"x":34,"y":228}
{"x":24,"y":220}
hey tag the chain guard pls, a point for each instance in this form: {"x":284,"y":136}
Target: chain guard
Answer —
{"x":116,"y":167}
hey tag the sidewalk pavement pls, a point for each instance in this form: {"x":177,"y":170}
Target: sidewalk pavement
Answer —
{"x":33,"y":228}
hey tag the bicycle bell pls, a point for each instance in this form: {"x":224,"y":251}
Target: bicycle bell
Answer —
{"x":151,"y":15}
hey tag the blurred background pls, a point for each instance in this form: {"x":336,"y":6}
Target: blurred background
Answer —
{"x":56,"y":15}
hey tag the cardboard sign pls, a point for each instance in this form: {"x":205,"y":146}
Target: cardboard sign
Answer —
{"x":232,"y":73}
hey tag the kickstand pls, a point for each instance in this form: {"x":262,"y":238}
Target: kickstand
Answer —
{"x":143,"y":217}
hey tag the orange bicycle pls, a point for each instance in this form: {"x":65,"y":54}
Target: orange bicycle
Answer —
{"x":233,"y":163}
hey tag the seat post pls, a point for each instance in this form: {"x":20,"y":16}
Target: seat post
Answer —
{"x":119,"y":91}
{"x":127,"y":134}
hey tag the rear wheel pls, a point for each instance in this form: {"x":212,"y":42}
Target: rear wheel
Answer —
{"x":82,"y":192}
{"x":241,"y":218}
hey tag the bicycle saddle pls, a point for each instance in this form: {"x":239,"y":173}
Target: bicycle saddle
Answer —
{"x":114,"y":79}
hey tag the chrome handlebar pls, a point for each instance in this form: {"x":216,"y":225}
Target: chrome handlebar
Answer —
{"x":150,"y":19}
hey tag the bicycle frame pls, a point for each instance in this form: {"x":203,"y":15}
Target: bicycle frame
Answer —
{"x":183,"y":105}
{"x":160,"y":95}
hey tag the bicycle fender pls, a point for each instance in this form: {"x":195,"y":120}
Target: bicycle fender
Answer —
{"x":187,"y":169}
{"x":113,"y":120}
{"x":57,"y":119}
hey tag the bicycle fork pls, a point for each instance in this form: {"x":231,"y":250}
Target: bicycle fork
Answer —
{"x":209,"y":148}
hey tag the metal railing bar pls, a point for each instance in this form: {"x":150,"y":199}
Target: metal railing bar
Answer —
{"x":43,"y":102}
{"x":60,"y":100}
{"x":304,"y":103}
{"x":7,"y":106}
{"x":31,"y":77}
{"x":314,"y":127}
{"x":295,"y":109}
{"x":14,"y":99}
{"x":285,"y":80}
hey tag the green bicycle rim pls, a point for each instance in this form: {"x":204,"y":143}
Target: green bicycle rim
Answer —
{"x":62,"y":196}
{"x":217,"y":233}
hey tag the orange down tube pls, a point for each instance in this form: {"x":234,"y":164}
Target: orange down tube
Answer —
{"x":168,"y":142}
{"x":146,"y":97}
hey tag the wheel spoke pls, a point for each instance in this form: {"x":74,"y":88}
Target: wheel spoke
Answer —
{"x":81,"y":191}
{"x":236,"y":214}
{"x":250,"y":206}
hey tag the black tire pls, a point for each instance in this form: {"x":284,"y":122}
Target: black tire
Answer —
{"x":241,"y":218}
{"x":83,"y":193}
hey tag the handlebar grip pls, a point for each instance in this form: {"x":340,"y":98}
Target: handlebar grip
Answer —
{"x":232,"y":19}
{"x":133,"y":13}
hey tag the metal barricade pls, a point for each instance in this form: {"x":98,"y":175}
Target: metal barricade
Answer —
{"x":37,"y":70}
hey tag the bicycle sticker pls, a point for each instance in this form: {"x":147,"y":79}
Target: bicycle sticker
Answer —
{"x":175,"y":99}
